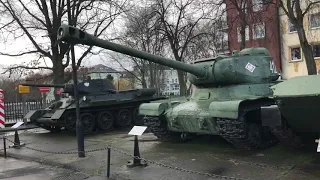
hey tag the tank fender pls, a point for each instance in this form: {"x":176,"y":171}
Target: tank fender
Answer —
{"x":155,"y":109}
{"x":152,"y":109}
{"x":225,"y":109}
{"x":34,"y":114}
{"x":271,"y":116}
{"x":57,"y":114}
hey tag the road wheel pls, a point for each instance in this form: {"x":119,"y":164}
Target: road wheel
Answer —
{"x":70,"y":121}
{"x":137,"y":120}
{"x":124,"y":117}
{"x":105,"y":120}
{"x":88,"y":122}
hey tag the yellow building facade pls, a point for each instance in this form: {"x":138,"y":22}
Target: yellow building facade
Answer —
{"x":292,"y":59}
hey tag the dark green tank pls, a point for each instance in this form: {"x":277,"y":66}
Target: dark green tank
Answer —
{"x":298,"y":102}
{"x":102,"y":107}
{"x":232,"y":95}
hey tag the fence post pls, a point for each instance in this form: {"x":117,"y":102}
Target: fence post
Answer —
{"x":108,"y":165}
{"x":2,"y":114}
{"x":4,"y":147}
{"x":24,"y":109}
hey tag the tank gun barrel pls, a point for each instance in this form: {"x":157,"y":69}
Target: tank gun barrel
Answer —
{"x":74,"y":35}
{"x":44,"y":85}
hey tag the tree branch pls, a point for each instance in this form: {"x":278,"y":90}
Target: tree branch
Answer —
{"x":20,"y":54}
{"x":309,"y":7}
{"x":25,"y":67}
{"x":11,"y":11}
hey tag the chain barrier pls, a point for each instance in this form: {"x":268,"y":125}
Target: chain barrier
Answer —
{"x":136,"y":157}
{"x":161,"y":164}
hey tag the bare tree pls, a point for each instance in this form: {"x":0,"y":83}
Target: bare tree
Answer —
{"x":142,"y":33}
{"x":39,"y":20}
{"x":179,"y":22}
{"x":296,"y":10}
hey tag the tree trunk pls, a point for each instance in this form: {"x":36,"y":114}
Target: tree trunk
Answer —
{"x":243,"y":31}
{"x":152,"y":74}
{"x":183,"y":87}
{"x":143,"y":80}
{"x":307,"y":51}
{"x":58,"y":77}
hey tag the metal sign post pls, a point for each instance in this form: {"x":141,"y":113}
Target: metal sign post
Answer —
{"x":24,"y":90}
{"x":137,"y":131}
{"x":79,"y":126}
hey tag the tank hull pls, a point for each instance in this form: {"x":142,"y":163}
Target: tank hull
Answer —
{"x":302,"y":113}
{"x":298,"y":101}
{"x":213,"y":111}
{"x":104,"y":112}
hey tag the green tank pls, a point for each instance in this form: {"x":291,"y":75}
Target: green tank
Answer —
{"x":231,"y":99}
{"x":298,"y":102}
{"x":102,"y":107}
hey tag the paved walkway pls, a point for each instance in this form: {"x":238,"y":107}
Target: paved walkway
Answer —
{"x":14,"y":169}
{"x":211,"y":156}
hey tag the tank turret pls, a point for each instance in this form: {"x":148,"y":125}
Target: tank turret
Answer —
{"x":252,"y":65}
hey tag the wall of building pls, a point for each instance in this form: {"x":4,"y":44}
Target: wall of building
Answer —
{"x":171,"y":83}
{"x":267,"y":17}
{"x":293,"y":61}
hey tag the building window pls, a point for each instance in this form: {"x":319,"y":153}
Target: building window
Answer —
{"x":314,"y":20}
{"x":257,"y":5}
{"x":292,"y":28}
{"x":246,"y":34}
{"x":259,"y":31}
{"x":316,"y":50}
{"x":295,"y":54}
{"x":243,"y":7}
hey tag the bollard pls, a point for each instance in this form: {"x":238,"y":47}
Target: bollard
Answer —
{"x":108,"y":165}
{"x":4,"y":147}
{"x":136,"y":153}
{"x":2,"y":119}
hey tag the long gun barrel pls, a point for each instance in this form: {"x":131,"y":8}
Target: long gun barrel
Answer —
{"x":74,"y":35}
{"x":44,"y":85}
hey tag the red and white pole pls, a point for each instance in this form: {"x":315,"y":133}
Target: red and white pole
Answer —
{"x":2,"y":120}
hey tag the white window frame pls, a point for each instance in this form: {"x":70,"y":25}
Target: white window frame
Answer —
{"x":254,"y":36}
{"x":257,"y":5}
{"x":295,"y":60}
{"x":246,"y":33}
{"x":309,"y":20}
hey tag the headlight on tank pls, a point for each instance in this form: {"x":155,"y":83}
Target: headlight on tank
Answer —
{"x":84,"y":98}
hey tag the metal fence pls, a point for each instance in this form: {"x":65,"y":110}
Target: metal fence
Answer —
{"x":14,"y":111}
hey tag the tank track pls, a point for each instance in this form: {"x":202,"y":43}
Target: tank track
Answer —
{"x":159,"y":128}
{"x":287,"y":136}
{"x":235,"y":130}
